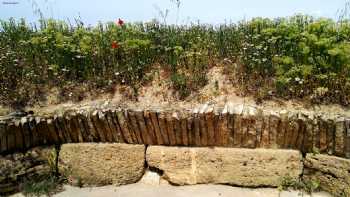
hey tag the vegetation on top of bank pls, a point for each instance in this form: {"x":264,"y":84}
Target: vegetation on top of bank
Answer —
{"x":295,"y":57}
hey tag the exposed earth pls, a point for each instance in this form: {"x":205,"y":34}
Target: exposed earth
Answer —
{"x":158,"y":94}
{"x":146,"y":190}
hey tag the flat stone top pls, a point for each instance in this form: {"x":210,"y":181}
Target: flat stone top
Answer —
{"x":325,"y":112}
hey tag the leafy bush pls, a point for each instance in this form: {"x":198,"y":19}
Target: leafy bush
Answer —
{"x":295,"y":57}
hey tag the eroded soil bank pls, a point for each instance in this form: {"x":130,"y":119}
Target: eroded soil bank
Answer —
{"x":159,"y":94}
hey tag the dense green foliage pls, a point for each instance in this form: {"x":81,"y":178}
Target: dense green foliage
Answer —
{"x":296,"y":57}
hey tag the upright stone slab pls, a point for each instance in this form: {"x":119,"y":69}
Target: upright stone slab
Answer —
{"x":347,"y":138}
{"x":153,"y":121}
{"x":209,"y":117}
{"x":163,"y":127}
{"x":203,"y":126}
{"x":177,"y":128}
{"x":3,"y":140}
{"x":170,"y":129}
{"x":150,"y":128}
{"x":96,"y":164}
{"x":340,"y":132}
{"x":127,"y":133}
{"x":243,"y":167}
{"x":184,"y":132}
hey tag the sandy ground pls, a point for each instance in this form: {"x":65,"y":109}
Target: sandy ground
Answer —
{"x":139,"y":189}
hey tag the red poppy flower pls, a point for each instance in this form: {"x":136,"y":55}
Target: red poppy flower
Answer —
{"x":114,"y":45}
{"x":120,"y":22}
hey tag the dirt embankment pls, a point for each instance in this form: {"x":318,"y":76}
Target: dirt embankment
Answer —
{"x":158,"y":94}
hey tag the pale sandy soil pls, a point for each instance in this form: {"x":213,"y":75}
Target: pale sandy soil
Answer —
{"x":158,"y":94}
{"x":144,"y":190}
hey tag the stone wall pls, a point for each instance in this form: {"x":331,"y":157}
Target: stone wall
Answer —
{"x":231,"y":126}
{"x":97,"y":164}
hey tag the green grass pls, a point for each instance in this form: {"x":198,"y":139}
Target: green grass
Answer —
{"x":44,"y":187}
{"x":296,"y":57}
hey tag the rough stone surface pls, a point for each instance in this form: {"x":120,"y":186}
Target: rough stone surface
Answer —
{"x":244,"y":167}
{"x":332,"y":173}
{"x":18,"y":168}
{"x":102,"y":164}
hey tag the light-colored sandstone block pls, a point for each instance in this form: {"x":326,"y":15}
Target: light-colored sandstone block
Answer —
{"x":102,"y":164}
{"x":244,"y":167}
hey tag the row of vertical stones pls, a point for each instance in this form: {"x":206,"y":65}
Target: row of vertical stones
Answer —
{"x":232,"y":126}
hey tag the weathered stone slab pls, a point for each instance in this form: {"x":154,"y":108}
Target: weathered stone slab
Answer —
{"x":128,"y":135}
{"x":347,"y":138}
{"x":84,"y":127}
{"x":265,"y":137}
{"x":71,"y":129}
{"x":184,"y":132}
{"x":11,"y":137}
{"x":26,"y":132}
{"x":340,"y":137}
{"x":250,"y":134}
{"x":301,"y":134}
{"x":332,"y":173}
{"x":96,"y":164}
{"x":52,"y":130}
{"x":170,"y":129}
{"x":190,"y":130}
{"x":155,"y":123}
{"x":330,"y":137}
{"x":274,"y":122}
{"x":196,"y":128}
{"x":147,"y":138}
{"x":322,"y":125}
{"x":308,"y":145}
{"x":163,"y":127}
{"x":3,"y":140}
{"x":33,"y":131}
{"x":98,"y":126}
{"x":223,"y":134}
{"x":62,"y":132}
{"x":209,"y":118}
{"x":133,"y":124}
{"x":177,"y":128}
{"x":42,"y":130}
{"x":203,"y":126}
{"x":114,"y":126}
{"x":259,"y":129}
{"x":18,"y":135}
{"x":91,"y":128}
{"x":102,"y":116}
{"x":238,"y":131}
{"x":33,"y":165}
{"x":150,"y":128}
{"x":244,"y":167}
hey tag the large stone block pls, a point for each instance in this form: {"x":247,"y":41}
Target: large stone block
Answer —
{"x":244,"y":167}
{"x":332,"y":173}
{"x":98,"y":164}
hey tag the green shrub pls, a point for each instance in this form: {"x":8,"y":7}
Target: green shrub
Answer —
{"x":295,"y":57}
